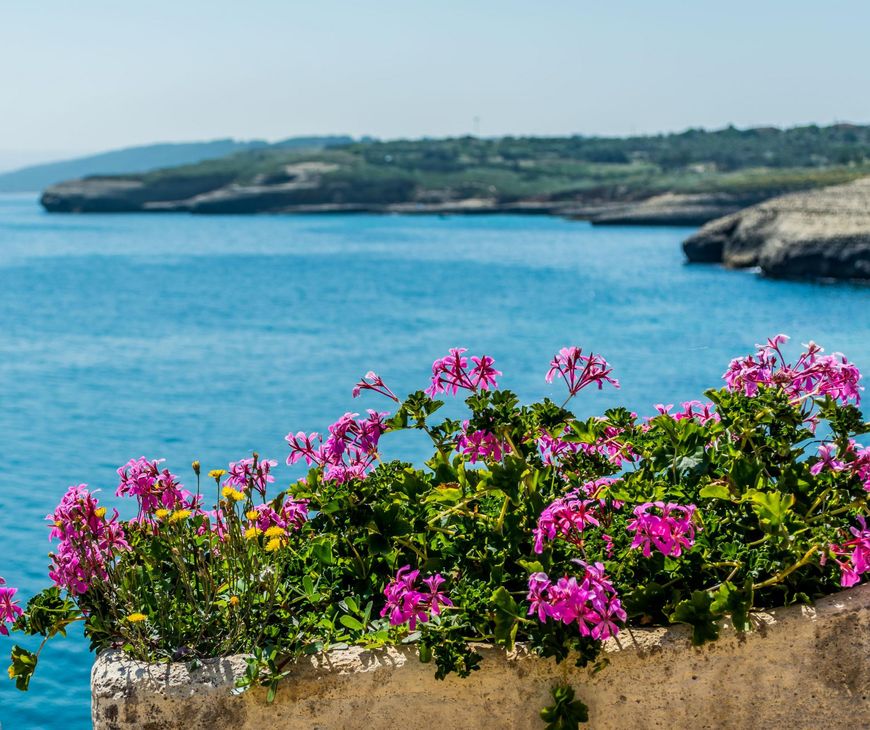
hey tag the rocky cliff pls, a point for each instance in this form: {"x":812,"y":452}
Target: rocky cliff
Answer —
{"x":818,"y":234}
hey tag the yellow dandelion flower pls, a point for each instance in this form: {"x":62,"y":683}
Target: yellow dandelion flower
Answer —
{"x":234,"y":600}
{"x":276,"y":543}
{"x":275,"y":531}
{"x":252,"y":514}
{"x":231,"y":493}
{"x":100,"y":512}
{"x":253,"y":532}
{"x":217,"y":473}
{"x":11,"y":672}
{"x":135,"y":618}
{"x":161,"y":514}
{"x":179,"y":515}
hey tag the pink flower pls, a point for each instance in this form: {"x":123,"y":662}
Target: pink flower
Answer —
{"x":670,"y":532}
{"x":406,"y":604}
{"x":152,"y":487}
{"x":827,"y":460}
{"x":591,"y":602}
{"x":579,"y":370}
{"x":554,"y":449}
{"x":451,"y":373}
{"x":9,"y":609}
{"x":481,"y":445}
{"x":812,"y":375}
{"x":253,"y":472}
{"x":568,"y":516}
{"x":853,"y":556}
{"x":859,"y":465}
{"x":303,"y":447}
{"x":88,"y":539}
{"x":701,"y":412}
{"x":292,"y":515}
{"x":373,"y":381}
{"x":349,"y":451}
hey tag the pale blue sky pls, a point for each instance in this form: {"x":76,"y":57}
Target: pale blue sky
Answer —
{"x":95,"y":74}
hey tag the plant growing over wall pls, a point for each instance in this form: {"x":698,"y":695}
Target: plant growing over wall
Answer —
{"x":526,"y":525}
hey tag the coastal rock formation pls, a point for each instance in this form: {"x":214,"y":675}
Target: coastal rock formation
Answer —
{"x":300,"y":189}
{"x":821,"y":234}
{"x":672,"y":209}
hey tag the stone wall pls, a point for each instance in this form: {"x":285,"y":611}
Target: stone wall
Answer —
{"x":802,"y":667}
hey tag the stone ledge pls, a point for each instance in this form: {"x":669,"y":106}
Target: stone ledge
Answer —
{"x":802,"y":667}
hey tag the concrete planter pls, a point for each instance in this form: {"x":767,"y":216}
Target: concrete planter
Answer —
{"x":803,"y":667}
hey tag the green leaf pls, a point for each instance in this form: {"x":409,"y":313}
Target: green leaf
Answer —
{"x":322,"y":549}
{"x":696,"y":612}
{"x":715,"y":491}
{"x":506,"y":615}
{"x":531,"y":566}
{"x":566,"y":712}
{"x":22,"y":667}
{"x":736,"y":602}
{"x":351,"y":623}
{"x":445,"y":495}
{"x":772,"y":509}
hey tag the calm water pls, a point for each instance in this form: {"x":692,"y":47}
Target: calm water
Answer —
{"x":186,"y":337}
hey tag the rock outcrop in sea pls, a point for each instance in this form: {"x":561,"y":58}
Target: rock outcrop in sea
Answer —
{"x":819,"y":234}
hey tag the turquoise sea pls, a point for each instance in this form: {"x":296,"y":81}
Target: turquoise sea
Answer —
{"x":190,"y":337}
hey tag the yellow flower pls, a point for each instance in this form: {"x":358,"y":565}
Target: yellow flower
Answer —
{"x":276,"y":543}
{"x":100,"y":512}
{"x":217,"y":473}
{"x":11,"y":672}
{"x":161,"y":514}
{"x":275,"y":531}
{"x":231,"y":493}
{"x":253,"y":532}
{"x":195,"y":466}
{"x":234,"y":600}
{"x":135,"y":618}
{"x":179,"y":515}
{"x":252,"y":514}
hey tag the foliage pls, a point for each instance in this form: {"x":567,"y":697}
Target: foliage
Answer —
{"x":526,"y":525}
{"x":749,"y":163}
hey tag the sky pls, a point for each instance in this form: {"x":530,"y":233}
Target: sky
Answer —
{"x":86,"y":76}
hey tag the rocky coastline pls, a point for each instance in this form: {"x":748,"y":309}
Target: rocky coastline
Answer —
{"x":820,"y":234}
{"x":303,"y":194}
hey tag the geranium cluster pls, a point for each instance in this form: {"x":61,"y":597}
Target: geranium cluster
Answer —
{"x":591,"y":602}
{"x":553,"y":449}
{"x":853,"y":556}
{"x":579,"y":370}
{"x":406,"y":603}
{"x":253,"y":472}
{"x":570,"y":515}
{"x":153,"y":487}
{"x":480,"y":445}
{"x":276,"y":525}
{"x":703,"y":413}
{"x":451,"y":373}
{"x":88,"y":540}
{"x":349,"y":451}
{"x":667,"y":526}
{"x":9,"y":609}
{"x":855,"y":461}
{"x":812,"y":375}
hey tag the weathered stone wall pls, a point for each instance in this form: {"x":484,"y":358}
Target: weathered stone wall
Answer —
{"x":801,"y":668}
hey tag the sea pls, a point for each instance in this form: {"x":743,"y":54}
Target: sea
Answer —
{"x":184,"y":337}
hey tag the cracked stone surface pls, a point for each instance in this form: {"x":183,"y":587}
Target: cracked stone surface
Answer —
{"x":801,"y":667}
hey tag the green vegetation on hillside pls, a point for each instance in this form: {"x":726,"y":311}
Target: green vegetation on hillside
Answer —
{"x":522,"y":168}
